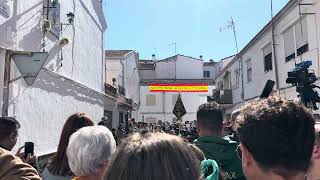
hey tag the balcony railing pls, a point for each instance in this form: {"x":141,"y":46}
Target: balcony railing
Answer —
{"x":121,"y":90}
{"x":223,"y":96}
{"x":110,"y":90}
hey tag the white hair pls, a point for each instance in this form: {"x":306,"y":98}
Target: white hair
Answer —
{"x":88,"y":148}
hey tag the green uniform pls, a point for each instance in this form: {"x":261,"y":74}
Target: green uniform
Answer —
{"x":223,"y":151}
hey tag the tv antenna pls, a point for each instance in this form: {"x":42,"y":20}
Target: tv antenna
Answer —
{"x":175,"y":47}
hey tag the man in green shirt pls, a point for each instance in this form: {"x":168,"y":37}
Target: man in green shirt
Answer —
{"x":214,"y":146}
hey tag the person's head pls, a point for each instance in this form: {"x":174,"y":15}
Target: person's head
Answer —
{"x":104,"y":119}
{"x":89,"y":150}
{"x":276,"y":138}
{"x":209,"y":119}
{"x":101,"y":123}
{"x":234,"y":115}
{"x":113,"y":130}
{"x":156,"y":156}
{"x":8,"y":132}
{"x":59,"y":162}
{"x":314,"y":172}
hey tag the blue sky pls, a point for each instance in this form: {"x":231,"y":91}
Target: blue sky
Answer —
{"x":150,"y":26}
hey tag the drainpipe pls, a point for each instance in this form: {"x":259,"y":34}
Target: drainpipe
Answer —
{"x":6,"y":84}
{"x":274,"y":51}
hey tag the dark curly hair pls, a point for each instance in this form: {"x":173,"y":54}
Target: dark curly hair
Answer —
{"x":279,"y":134}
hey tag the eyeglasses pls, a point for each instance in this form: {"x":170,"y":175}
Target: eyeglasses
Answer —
{"x":239,"y":152}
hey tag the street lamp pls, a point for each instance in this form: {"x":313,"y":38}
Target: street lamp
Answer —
{"x":70,"y":17}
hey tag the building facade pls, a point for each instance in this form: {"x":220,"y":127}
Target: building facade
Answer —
{"x":178,"y":69}
{"x":296,"y":33}
{"x":123,"y":77}
{"x":73,"y":76}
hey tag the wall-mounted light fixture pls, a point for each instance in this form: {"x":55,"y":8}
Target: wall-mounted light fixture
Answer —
{"x":70,"y":17}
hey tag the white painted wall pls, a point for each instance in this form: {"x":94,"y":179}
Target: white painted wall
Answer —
{"x":164,"y":105}
{"x":165,"y":69}
{"x":132,"y":78}
{"x":43,"y":108}
{"x":147,"y":74}
{"x":213,"y":69}
{"x":114,"y":69}
{"x":176,"y":67}
{"x":189,"y":68}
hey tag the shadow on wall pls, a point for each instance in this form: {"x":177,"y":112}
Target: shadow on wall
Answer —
{"x":32,"y":40}
{"x":54,"y":54}
{"x":50,"y":83}
{"x":12,"y":22}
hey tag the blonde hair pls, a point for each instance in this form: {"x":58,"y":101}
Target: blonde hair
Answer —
{"x":156,"y":156}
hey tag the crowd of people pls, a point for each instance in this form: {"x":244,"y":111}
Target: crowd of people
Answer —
{"x":187,"y":130}
{"x":268,"y":139}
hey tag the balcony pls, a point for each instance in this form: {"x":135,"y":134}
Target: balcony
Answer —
{"x":223,"y":96}
{"x":110,"y":90}
{"x":121,"y":90}
{"x":125,"y":102}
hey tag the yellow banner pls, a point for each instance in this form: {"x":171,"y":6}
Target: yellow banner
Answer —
{"x":178,"y":88}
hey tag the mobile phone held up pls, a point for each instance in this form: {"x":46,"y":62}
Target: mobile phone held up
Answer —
{"x":28,"y":149}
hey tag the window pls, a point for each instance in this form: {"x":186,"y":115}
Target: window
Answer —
{"x":267,"y":55}
{"x":249,"y":70}
{"x":296,"y":40}
{"x":174,"y":99}
{"x":289,"y":48}
{"x":206,"y":74}
{"x":150,"y":100}
{"x":301,"y":34}
{"x":236,"y":78}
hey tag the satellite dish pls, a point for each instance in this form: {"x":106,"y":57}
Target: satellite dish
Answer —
{"x":29,"y":64}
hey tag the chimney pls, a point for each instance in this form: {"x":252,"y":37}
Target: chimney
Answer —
{"x":154,"y":57}
{"x":201,"y":57}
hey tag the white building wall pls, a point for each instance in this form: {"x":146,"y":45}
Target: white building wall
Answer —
{"x":189,"y":68}
{"x":164,"y":105}
{"x":147,"y":74}
{"x":43,"y":108}
{"x":213,"y":69}
{"x":132,"y":79}
{"x":114,"y":69}
{"x":166,"y":69}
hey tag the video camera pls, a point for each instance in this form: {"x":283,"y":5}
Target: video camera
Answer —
{"x":304,"y":80}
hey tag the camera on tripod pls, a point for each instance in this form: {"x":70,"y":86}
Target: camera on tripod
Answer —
{"x":304,"y":79}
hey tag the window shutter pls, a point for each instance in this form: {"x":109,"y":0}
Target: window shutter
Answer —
{"x":289,"y":47}
{"x":267,"y":50}
{"x":301,"y":37}
{"x":150,"y":100}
